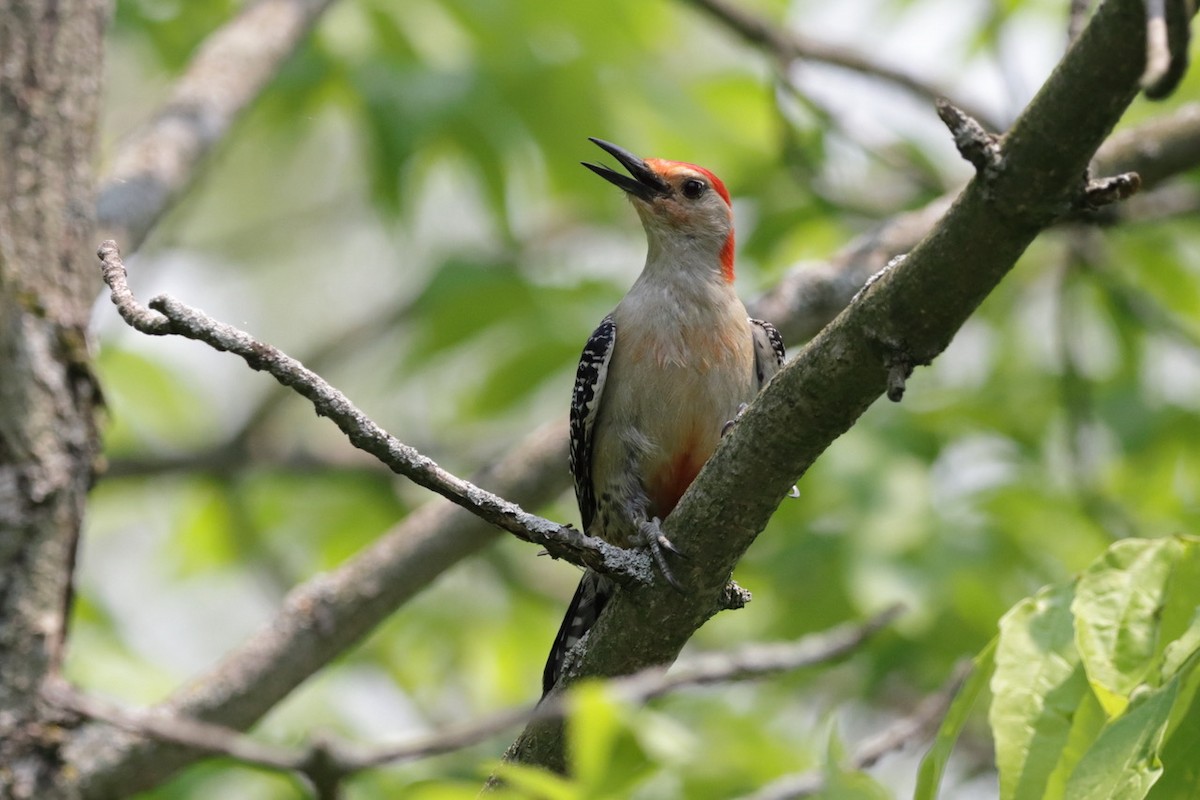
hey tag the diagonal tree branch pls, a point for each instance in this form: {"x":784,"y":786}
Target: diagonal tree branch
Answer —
{"x":229,"y":71}
{"x":907,"y":318}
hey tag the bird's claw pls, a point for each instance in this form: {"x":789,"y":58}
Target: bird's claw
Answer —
{"x":668,"y":545}
{"x":728,"y":426}
{"x":658,"y":545}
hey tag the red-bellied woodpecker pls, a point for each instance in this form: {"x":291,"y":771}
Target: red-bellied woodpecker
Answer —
{"x":662,"y":375}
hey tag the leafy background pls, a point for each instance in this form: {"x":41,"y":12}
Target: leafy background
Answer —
{"x":404,"y":211}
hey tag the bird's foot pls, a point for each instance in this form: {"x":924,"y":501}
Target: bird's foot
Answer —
{"x":728,"y":426}
{"x":659,"y":545}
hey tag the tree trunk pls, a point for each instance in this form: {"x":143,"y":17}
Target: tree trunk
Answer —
{"x":51,"y":69}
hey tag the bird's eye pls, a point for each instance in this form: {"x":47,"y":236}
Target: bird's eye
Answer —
{"x":693,"y":188}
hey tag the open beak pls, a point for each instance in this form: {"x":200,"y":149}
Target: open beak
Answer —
{"x":645,"y":183}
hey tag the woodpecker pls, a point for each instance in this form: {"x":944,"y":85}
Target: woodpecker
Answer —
{"x":663,"y":375}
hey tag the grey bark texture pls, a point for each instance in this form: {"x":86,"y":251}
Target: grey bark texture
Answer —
{"x":50,"y":79}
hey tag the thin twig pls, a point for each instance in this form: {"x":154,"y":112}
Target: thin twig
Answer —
{"x":1158,"y":51}
{"x":240,"y":450}
{"x":166,"y":315}
{"x":755,"y":660}
{"x":323,"y":617}
{"x":812,"y":294}
{"x":187,"y":731}
{"x":787,"y":47}
{"x":973,"y":141}
{"x":1100,"y":192}
{"x":906,"y":731}
{"x":1168,"y":35}
{"x":325,"y":762}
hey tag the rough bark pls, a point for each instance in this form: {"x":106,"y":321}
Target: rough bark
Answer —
{"x":50,"y":68}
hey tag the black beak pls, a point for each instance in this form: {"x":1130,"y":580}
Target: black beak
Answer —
{"x":645,"y":183}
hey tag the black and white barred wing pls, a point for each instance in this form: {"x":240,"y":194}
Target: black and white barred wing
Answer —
{"x":585,"y":403}
{"x":769,"y":354}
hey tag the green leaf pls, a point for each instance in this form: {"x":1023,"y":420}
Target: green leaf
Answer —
{"x":1117,"y":609}
{"x":1036,"y":688}
{"x":1180,"y":618}
{"x":1179,"y":656}
{"x":1124,"y":761}
{"x":173,"y":30}
{"x":933,"y":765}
{"x":1180,"y":661}
{"x":1086,"y":723}
{"x":1181,"y":753}
{"x":515,"y":374}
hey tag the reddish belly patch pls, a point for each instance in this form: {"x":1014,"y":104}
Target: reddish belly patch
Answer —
{"x":673,"y":480}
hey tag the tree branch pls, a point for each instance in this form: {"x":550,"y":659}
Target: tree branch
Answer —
{"x":1167,"y":37}
{"x":1158,"y":149}
{"x":323,"y":618}
{"x":326,"y":763}
{"x":909,"y":315}
{"x":788,"y":47}
{"x":811,"y":295}
{"x":166,"y":315}
{"x":51,"y":57}
{"x":230,"y":69}
{"x":240,"y":450}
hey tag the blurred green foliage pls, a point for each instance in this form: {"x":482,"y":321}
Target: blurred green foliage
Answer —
{"x":404,"y":210}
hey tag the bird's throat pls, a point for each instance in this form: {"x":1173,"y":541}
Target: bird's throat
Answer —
{"x":727,"y":259}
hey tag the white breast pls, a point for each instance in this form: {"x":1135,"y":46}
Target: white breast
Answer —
{"x":681,"y":368}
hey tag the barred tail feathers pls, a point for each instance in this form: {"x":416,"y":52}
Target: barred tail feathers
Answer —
{"x":591,"y":596}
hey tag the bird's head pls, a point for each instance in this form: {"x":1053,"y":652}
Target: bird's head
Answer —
{"x":685,"y":209}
